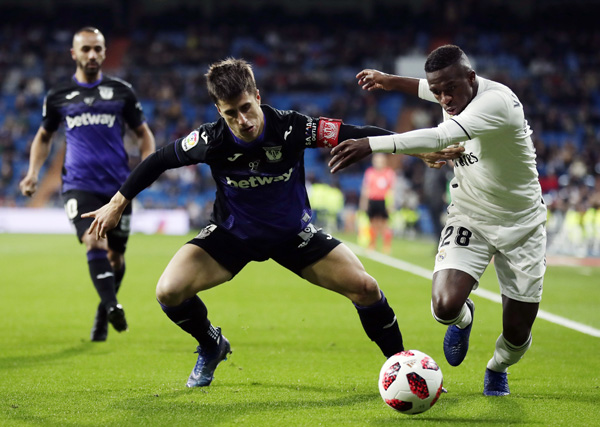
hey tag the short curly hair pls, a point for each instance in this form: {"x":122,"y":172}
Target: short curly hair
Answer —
{"x":443,"y":57}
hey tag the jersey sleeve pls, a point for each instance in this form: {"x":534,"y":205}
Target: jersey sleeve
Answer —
{"x":194,"y":147}
{"x":51,"y":116}
{"x":133,"y":113}
{"x":313,"y":132}
{"x":424,"y":92}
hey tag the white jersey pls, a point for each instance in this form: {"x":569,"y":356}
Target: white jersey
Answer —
{"x":496,"y":177}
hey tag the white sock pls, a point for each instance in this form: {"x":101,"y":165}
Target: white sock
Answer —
{"x":507,"y":354}
{"x":463,"y":319}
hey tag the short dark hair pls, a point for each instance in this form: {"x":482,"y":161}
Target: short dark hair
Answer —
{"x":443,"y":57}
{"x":228,"y":79}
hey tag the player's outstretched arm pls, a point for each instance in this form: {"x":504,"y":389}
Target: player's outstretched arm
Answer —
{"x":348,"y":152}
{"x":40,"y":149}
{"x":373,"y":79}
{"x":433,"y":140}
{"x":144,"y":174}
{"x":107,"y":217}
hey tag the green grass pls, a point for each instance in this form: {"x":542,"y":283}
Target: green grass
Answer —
{"x":300,"y":356}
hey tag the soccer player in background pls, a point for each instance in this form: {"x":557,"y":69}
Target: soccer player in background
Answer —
{"x":496,"y":210}
{"x":94,"y":109}
{"x":378,"y":184}
{"x":261,"y":211}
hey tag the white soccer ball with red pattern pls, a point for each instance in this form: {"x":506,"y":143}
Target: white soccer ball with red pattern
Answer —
{"x":410,"y":382}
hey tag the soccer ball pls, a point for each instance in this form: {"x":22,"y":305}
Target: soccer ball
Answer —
{"x":410,"y":382}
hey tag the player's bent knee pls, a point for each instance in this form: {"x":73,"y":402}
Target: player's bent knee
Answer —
{"x":168,"y":293}
{"x":366,"y":291}
{"x":444,"y":308}
{"x":516,"y":335}
{"x":94,"y":244}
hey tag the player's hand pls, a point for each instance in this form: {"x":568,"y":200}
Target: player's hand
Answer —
{"x":28,"y":185}
{"x":438,"y":159}
{"x":372,"y":79}
{"x":107,"y":217}
{"x":348,"y":152}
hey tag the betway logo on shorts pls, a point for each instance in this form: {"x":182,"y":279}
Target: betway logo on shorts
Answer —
{"x":257,"y":181}
{"x":87,"y":119}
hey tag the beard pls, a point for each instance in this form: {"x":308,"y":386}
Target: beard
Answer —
{"x":89,"y":71}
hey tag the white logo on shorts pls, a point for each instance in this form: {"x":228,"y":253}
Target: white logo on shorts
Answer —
{"x":206,"y":231}
{"x":71,"y":208}
{"x":125,"y":223}
{"x":307,"y":234}
{"x":441,"y":255}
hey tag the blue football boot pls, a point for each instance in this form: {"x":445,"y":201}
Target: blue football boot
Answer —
{"x":495,"y":383}
{"x":456,"y":340}
{"x":203,"y":373}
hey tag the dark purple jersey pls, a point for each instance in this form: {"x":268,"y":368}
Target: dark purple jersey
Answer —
{"x":94,"y":116}
{"x":261,"y":194}
{"x":261,"y":191}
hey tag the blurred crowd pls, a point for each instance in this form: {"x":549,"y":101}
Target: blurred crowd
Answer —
{"x":309,"y":64}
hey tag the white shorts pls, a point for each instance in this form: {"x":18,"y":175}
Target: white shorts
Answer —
{"x":519,"y":252}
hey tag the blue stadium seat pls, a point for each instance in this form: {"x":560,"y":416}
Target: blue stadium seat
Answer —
{"x":290,"y":101}
{"x":389,"y":106}
{"x":9,"y":100}
{"x":425,"y":222}
{"x":148,"y":105}
{"x":22,"y":142}
{"x":556,"y":138}
{"x":189,"y":111}
{"x":351,"y":182}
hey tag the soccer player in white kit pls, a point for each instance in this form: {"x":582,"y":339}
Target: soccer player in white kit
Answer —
{"x":497,"y":208}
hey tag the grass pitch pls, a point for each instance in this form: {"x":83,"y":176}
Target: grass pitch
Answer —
{"x":300,"y":357}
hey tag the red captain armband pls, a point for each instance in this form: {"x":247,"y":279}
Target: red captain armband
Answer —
{"x":328,"y":132}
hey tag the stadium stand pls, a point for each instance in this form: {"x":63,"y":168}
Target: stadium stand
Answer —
{"x":305,"y":61}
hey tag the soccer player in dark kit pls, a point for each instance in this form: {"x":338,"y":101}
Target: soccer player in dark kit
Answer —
{"x":94,"y":109}
{"x":262,"y":211}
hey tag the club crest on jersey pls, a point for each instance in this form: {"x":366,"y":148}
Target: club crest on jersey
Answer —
{"x":273,"y":153}
{"x":106,"y":92}
{"x":190,"y":141}
{"x":89,"y":100}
